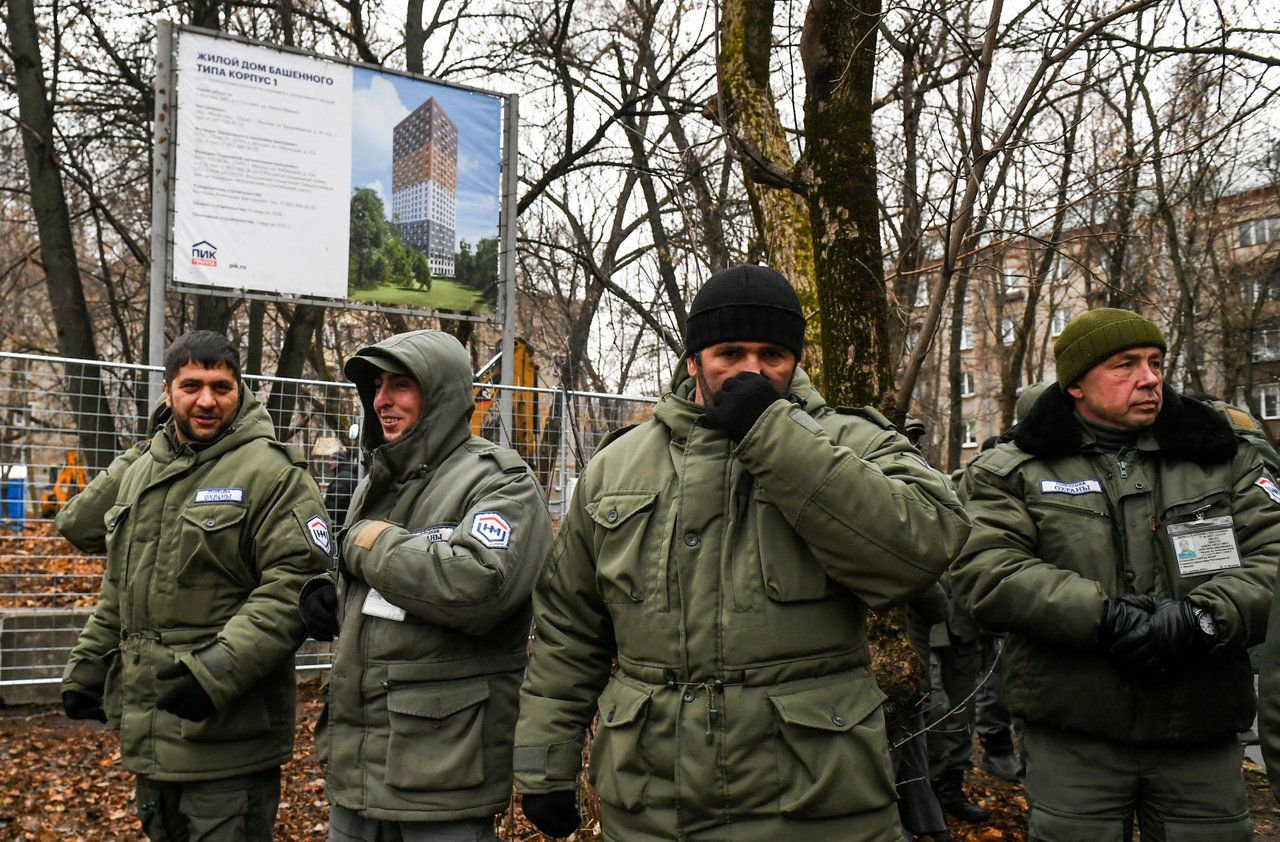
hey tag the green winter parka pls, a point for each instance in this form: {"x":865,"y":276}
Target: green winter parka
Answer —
{"x":207,"y":549}
{"x":444,"y":540}
{"x":732,"y":585}
{"x":1060,"y":526}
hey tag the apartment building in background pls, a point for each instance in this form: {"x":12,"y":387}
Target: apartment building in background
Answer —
{"x":424,"y":184}
{"x":1214,"y":288}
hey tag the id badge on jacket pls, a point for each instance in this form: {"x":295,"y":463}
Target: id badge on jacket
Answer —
{"x":1205,"y":546}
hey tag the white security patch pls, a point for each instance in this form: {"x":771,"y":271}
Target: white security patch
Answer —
{"x":319,"y":531}
{"x":491,"y":529}
{"x":1084,"y":486}
{"x":219,"y":495}
{"x":436,"y":534}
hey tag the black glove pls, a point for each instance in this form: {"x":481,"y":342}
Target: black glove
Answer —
{"x":77,"y":705}
{"x":1158,"y":644}
{"x":318,"y":605}
{"x":741,"y":401}
{"x":553,"y":813}
{"x":1121,"y":615}
{"x":187,"y":698}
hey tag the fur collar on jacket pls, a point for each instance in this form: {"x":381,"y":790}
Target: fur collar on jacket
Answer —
{"x":1184,"y":429}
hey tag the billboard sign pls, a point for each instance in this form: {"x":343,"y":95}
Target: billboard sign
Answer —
{"x":307,"y":176}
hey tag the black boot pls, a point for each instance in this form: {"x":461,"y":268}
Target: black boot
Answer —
{"x":950,"y":792}
{"x":999,"y":761}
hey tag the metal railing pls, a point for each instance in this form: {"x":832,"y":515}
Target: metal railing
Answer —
{"x":62,"y":420}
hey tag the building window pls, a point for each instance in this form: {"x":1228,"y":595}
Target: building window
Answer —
{"x":1269,"y":400}
{"x":1058,"y":322}
{"x":1255,"y":232}
{"x":1008,"y":330}
{"x":967,"y":389}
{"x":1266,"y":344}
{"x":922,"y":292}
{"x":966,"y":337}
{"x":1010,"y":280}
{"x":969,"y":434}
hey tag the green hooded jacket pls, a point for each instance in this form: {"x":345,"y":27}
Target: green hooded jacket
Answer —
{"x":444,"y":540}
{"x":1061,"y":525}
{"x":732,"y":585}
{"x":207,"y":549}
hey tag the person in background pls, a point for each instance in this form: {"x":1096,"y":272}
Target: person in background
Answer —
{"x":444,"y":538}
{"x":342,"y":485}
{"x":1127,"y":664}
{"x":726,"y":552}
{"x":212,"y":532}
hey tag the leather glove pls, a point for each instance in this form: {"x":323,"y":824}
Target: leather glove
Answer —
{"x":187,"y":698}
{"x":1121,"y":615}
{"x":318,"y":606}
{"x":1158,"y":644}
{"x":741,"y":401}
{"x":77,"y":705}
{"x":553,"y":813}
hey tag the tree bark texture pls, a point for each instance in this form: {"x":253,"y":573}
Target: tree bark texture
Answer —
{"x":74,"y":326}
{"x":838,"y":50}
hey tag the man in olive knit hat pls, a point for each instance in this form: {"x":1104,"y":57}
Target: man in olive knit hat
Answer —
{"x":725,"y":552}
{"x":1128,"y":546}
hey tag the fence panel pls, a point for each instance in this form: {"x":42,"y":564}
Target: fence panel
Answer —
{"x":53,"y":440}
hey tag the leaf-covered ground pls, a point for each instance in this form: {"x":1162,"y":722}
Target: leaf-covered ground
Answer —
{"x":61,"y":781}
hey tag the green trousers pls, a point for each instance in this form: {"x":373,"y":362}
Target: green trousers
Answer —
{"x":237,"y":809}
{"x":1086,"y":789}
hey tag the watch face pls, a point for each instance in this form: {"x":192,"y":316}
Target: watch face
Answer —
{"x":1207,"y":625}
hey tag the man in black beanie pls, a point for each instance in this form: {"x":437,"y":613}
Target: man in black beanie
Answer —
{"x":725,"y":552}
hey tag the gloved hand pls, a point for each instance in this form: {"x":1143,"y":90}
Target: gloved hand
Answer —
{"x":187,"y":698}
{"x":1158,"y":644}
{"x":318,"y":605}
{"x":741,"y":401}
{"x":553,"y":813}
{"x":1121,"y":615}
{"x":77,"y":705}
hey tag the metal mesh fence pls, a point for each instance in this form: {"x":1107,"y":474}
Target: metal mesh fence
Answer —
{"x":61,"y":421}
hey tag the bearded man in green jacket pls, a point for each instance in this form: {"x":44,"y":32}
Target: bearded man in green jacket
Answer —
{"x":1128,"y":545}
{"x":444,"y":538}
{"x":725,"y":552}
{"x":211,"y":532}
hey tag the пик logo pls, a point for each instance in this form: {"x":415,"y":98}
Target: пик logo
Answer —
{"x":204,"y":253}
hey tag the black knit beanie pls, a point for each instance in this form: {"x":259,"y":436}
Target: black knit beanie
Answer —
{"x":745,"y":303}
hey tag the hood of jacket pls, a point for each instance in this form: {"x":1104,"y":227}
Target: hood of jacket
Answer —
{"x":443,"y":370}
{"x":1185,"y":429}
{"x":252,"y":421}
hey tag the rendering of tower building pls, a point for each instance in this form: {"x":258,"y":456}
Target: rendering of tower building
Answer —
{"x":424,"y":184}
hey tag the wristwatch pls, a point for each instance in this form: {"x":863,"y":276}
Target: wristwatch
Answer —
{"x":1205,"y":622}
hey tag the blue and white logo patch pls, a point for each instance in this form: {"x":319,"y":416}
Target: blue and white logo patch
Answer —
{"x":219,"y":495}
{"x":1270,"y":487}
{"x":319,"y":532}
{"x":1084,"y":486}
{"x":491,"y":529}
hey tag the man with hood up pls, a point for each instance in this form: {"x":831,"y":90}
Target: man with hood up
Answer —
{"x":442,"y":544}
{"x":210,"y":534}
{"x":726,"y":552}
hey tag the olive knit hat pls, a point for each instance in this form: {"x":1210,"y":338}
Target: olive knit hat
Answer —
{"x":745,"y":303}
{"x":1093,"y":336}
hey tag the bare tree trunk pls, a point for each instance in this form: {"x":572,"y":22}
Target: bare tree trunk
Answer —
{"x":838,"y":48}
{"x":749,"y":114}
{"x":303,"y":328}
{"x":93,"y":417}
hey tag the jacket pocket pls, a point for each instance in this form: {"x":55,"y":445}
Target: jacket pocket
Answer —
{"x":832,"y":756}
{"x":323,"y":734}
{"x":114,"y":521}
{"x":437,"y":740}
{"x":242,"y":719}
{"x":791,"y":572}
{"x":113,"y":687}
{"x":209,"y":547}
{"x":619,"y":764}
{"x":623,"y":520}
